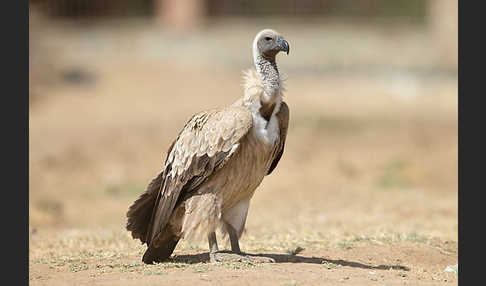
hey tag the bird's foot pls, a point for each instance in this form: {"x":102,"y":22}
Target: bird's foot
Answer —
{"x":259,"y":259}
{"x":238,"y":257}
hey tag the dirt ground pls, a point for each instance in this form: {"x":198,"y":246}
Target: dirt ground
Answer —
{"x":365,"y":194}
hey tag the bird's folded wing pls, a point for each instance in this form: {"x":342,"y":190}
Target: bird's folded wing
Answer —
{"x":283,"y":122}
{"x":205,"y":144}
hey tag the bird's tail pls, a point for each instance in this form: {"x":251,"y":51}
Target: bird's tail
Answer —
{"x":167,"y":244}
{"x":140,"y":212}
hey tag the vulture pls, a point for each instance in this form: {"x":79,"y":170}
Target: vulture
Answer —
{"x":216,"y":163}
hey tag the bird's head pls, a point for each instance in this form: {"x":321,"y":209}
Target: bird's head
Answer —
{"x":268,"y":43}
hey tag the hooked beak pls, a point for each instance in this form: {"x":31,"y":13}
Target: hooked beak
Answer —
{"x":284,"y":45}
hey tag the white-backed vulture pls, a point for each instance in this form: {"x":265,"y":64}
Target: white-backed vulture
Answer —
{"x":214,"y":166}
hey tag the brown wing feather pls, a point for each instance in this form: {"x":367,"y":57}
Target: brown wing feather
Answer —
{"x":283,"y":121}
{"x":205,"y":144}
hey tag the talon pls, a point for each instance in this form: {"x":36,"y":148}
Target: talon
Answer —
{"x":232,"y":257}
{"x":260,"y":259}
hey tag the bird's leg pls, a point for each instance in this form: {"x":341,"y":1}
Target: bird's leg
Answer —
{"x":233,"y":235}
{"x":237,"y":255}
{"x":216,"y":256}
{"x":213,"y":246}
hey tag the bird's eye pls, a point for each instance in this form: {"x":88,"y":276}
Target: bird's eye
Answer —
{"x":268,"y":38}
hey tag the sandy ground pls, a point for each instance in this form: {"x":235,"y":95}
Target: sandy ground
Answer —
{"x":367,"y":186}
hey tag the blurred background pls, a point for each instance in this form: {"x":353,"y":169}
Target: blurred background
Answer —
{"x":371,"y":85}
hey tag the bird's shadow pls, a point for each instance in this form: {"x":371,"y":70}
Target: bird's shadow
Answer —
{"x":289,"y":258}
